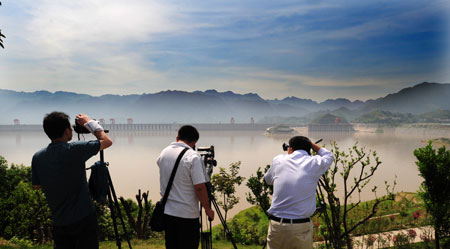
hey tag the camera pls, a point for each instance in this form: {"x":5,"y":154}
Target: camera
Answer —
{"x":79,"y":128}
{"x":285,"y":145}
{"x":207,"y":154}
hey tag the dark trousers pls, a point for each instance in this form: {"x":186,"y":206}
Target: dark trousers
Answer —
{"x":181,"y":233}
{"x":79,"y":235}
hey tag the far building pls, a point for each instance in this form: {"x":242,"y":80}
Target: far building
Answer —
{"x":330,"y":123}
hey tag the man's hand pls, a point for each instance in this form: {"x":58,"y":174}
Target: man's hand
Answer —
{"x":105,"y":141}
{"x":83,"y":119}
{"x":315,"y":147}
{"x":202,"y":195}
{"x":210,"y":214}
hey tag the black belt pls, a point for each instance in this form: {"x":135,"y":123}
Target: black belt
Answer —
{"x":289,"y":220}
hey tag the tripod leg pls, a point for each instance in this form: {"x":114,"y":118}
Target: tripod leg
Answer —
{"x":212,"y":200}
{"x":113,"y":217}
{"x":206,"y":237}
{"x":111,"y":187}
{"x":224,"y":222}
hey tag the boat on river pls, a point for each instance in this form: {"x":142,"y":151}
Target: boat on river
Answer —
{"x":283,"y":129}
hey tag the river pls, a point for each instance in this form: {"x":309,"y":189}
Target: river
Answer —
{"x":133,"y":155}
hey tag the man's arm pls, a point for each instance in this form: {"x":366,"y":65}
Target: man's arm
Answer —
{"x":202,"y":195}
{"x":325,"y":158}
{"x":315,"y":147}
{"x":104,"y":139}
{"x":97,"y":130}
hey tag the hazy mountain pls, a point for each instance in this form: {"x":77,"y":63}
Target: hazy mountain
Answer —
{"x":421,"y":98}
{"x":210,"y":106}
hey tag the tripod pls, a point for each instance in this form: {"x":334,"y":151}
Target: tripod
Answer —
{"x":207,"y":236}
{"x":114,"y":205}
{"x":112,"y":201}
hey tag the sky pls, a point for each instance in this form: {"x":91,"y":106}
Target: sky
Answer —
{"x":308,"y":49}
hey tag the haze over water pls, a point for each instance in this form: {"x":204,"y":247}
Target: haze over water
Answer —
{"x":133,"y":155}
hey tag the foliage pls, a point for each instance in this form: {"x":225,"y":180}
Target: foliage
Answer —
{"x":438,"y":116}
{"x":434,"y":167}
{"x":225,"y":183}
{"x":139,"y":214}
{"x":24,"y":213}
{"x":260,"y":191}
{"x":386,"y":118}
{"x":401,"y":240}
{"x":335,"y":214}
{"x":248,"y":227}
{"x":106,"y":223}
{"x":329,"y":118}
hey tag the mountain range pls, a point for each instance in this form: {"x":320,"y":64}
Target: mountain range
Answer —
{"x":209,"y":106}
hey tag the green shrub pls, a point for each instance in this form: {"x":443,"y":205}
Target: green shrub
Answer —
{"x":248,"y":227}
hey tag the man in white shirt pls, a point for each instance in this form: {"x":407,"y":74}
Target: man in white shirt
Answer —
{"x":294,"y":177}
{"x":182,"y":210}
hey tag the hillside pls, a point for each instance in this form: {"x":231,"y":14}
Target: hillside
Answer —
{"x":211,"y":106}
{"x":421,"y":98}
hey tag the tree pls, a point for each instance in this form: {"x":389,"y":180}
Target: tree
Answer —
{"x":435,"y":189}
{"x":1,"y":35}
{"x":225,"y":183}
{"x":24,"y":212}
{"x":260,"y":191}
{"x":336,"y":214}
{"x":140,"y":224}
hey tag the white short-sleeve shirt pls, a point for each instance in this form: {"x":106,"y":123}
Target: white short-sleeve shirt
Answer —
{"x":182,"y":201}
{"x":294,"y":178}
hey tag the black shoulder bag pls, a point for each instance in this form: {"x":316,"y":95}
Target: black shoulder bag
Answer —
{"x":157,"y":219}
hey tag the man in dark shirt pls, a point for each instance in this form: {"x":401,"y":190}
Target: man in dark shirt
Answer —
{"x":59,"y":169}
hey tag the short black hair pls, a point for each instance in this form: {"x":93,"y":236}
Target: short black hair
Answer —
{"x":188,"y":134}
{"x":55,"y":124}
{"x":300,"y":143}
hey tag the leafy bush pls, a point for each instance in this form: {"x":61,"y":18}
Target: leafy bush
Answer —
{"x":401,"y":240}
{"x":248,"y":227}
{"x":24,"y":213}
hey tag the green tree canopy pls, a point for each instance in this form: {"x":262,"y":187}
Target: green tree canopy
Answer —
{"x":434,"y":167}
{"x":225,"y":183}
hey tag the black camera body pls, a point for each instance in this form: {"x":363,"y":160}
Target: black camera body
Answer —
{"x":79,"y":128}
{"x":285,"y":146}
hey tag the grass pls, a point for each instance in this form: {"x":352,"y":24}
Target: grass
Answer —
{"x":136,"y":244}
{"x":251,"y":224}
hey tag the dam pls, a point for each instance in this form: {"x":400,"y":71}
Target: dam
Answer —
{"x":153,"y":127}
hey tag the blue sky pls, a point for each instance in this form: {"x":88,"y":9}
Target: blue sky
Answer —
{"x":308,"y":49}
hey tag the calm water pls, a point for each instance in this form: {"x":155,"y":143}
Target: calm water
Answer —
{"x":132,"y":157}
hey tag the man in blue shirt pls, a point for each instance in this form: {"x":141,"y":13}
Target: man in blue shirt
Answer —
{"x":294,"y":177}
{"x":59,"y":169}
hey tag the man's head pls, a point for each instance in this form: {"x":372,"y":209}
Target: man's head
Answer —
{"x":188,"y":134}
{"x":300,"y":143}
{"x":57,"y":126}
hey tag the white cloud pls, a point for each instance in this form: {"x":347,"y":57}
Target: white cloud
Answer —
{"x":61,"y":28}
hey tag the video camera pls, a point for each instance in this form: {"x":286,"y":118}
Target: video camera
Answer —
{"x":207,"y":154}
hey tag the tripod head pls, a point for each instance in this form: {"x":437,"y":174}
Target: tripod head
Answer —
{"x":207,"y":154}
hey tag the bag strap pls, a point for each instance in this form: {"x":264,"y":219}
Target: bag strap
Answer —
{"x":172,"y":177}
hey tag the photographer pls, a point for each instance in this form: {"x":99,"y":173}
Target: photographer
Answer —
{"x":181,"y":212}
{"x":59,"y":169}
{"x":294,"y":177}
